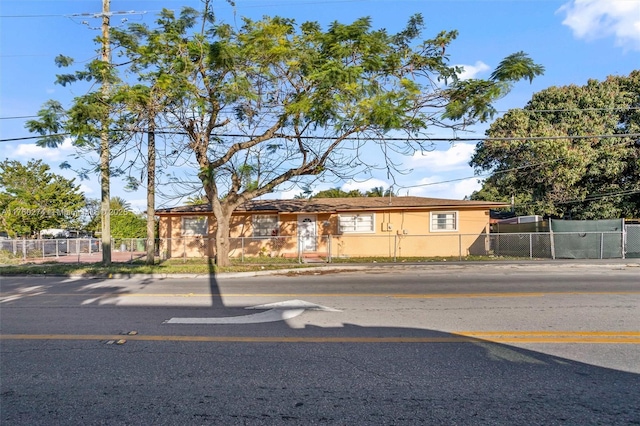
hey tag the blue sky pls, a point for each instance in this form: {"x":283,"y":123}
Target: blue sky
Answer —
{"x":575,"y":40}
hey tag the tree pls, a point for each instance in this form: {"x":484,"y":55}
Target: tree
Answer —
{"x":102,"y":120}
{"x":558,"y":157}
{"x":379,"y":191}
{"x":91,"y":215}
{"x":126,"y":224}
{"x":338,"y":193}
{"x":197,"y":200}
{"x":119,"y":203}
{"x":273,"y":103}
{"x":32,"y":198}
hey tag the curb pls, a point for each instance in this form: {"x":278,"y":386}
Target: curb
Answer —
{"x":336,"y":268}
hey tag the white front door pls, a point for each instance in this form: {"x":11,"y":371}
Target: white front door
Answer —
{"x":307,"y":233}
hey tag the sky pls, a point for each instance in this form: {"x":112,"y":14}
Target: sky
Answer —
{"x":575,"y":40}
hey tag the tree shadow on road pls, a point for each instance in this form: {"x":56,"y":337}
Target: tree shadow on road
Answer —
{"x":269,"y":373}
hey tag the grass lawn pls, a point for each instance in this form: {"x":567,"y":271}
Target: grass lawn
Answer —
{"x":200,"y":266}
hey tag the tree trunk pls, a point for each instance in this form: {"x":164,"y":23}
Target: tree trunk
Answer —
{"x":222,"y":239}
{"x":151,"y":190}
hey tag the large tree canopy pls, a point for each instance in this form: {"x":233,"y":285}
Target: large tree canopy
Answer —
{"x":562,"y":160}
{"x":273,"y":102}
{"x":32,"y":198}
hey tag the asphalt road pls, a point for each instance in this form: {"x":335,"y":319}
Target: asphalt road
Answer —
{"x":429,"y":344}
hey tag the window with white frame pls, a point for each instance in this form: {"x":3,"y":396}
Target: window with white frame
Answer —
{"x":265,"y":225}
{"x":444,"y":221}
{"x":357,"y":222}
{"x":192,"y":226}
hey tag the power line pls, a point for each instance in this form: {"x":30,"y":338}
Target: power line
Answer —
{"x":96,"y":15}
{"x":239,"y":6}
{"x":495,"y":172}
{"x":589,"y":198}
{"x":381,"y":138}
{"x":630,"y":108}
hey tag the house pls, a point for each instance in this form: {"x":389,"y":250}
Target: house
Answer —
{"x":336,"y":227}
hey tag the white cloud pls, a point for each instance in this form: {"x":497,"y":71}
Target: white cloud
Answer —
{"x":472,"y":71}
{"x":29,"y":151}
{"x":455,"y":158}
{"x":86,"y":189}
{"x":594,"y":19}
{"x":437,"y":187}
{"x":365,"y":186}
{"x":362,"y":186}
{"x":138,"y":205}
{"x":285,"y":195}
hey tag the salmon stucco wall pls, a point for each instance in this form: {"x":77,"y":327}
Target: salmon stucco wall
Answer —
{"x":401,"y":233}
{"x":174,"y":243}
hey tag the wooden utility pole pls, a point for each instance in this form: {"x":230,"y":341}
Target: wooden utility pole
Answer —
{"x":104,"y":139}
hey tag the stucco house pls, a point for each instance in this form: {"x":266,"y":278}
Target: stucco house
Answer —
{"x":333,"y":227}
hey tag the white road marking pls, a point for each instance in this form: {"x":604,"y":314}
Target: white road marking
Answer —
{"x":278,"y":311}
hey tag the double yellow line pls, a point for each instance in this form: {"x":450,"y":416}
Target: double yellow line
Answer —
{"x":610,"y":337}
{"x":584,"y":337}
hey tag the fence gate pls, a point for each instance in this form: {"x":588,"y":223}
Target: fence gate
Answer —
{"x":632,"y":243}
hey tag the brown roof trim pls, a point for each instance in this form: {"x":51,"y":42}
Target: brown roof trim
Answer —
{"x":334,"y":205}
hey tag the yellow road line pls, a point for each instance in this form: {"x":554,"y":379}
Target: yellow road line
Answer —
{"x":554,"y":336}
{"x":297,"y":295}
{"x":550,"y":333}
{"x":467,"y":337}
{"x":239,"y":339}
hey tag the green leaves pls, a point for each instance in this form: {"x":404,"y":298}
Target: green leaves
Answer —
{"x":472,"y":99}
{"x":32,"y":198}
{"x":63,"y":61}
{"x":50,"y":125}
{"x":515,"y":67}
{"x":573,"y":167}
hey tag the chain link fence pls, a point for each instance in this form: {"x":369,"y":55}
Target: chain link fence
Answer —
{"x":30,"y":249}
{"x":336,"y":248}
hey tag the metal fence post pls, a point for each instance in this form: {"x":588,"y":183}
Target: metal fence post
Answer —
{"x":530,"y":246}
{"x":460,"y":246}
{"x":242,"y":249}
{"x":329,"y":248}
{"x":552,"y":241}
{"x":601,"y":245}
{"x":395,"y":248}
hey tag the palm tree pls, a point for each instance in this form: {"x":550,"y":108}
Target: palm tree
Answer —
{"x":119,"y":203}
{"x":379,"y":191}
{"x":197,"y":199}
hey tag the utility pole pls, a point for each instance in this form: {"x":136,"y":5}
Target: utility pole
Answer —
{"x":151,"y":183}
{"x":104,"y":139}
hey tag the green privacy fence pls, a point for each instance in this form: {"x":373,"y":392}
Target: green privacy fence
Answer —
{"x":632,"y":241}
{"x":587,"y":239}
